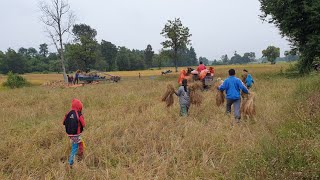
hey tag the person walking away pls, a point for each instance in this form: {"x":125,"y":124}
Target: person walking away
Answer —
{"x":74,"y":124}
{"x":232,"y":86}
{"x":201,"y":67}
{"x":184,"y":98}
{"x":248,"y":80}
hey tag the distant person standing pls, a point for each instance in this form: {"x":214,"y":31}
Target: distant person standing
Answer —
{"x":76,"y":78}
{"x":139,"y":75}
{"x":201,"y":67}
{"x":248,"y":80}
{"x":69,"y":80}
{"x":232,"y":86}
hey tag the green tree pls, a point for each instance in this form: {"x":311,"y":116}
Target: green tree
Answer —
{"x":14,"y":62}
{"x":164,"y":58}
{"x":225,"y":59}
{"x":84,"y":53}
{"x":148,"y":56}
{"x":123,"y":59}
{"x":177,"y":36}
{"x":204,"y":60}
{"x":23,"y":51}
{"x":32,"y":52}
{"x":43,"y":50}
{"x":109,"y":53}
{"x":193,"y":57}
{"x":2,"y":56}
{"x":298,"y":20}
{"x":248,"y":57}
{"x":236,"y":59}
{"x":271,"y":53}
{"x":136,"y":59}
{"x":83,"y":30}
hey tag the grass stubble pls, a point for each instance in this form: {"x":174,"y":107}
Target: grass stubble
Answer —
{"x":131,"y":134}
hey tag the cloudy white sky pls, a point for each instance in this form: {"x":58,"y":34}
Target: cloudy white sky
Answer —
{"x":218,"y":26}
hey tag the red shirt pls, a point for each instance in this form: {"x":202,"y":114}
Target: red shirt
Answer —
{"x":201,"y":67}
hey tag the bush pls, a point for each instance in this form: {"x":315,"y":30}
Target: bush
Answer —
{"x":15,"y":81}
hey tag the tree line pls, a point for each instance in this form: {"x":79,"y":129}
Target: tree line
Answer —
{"x":86,"y":52}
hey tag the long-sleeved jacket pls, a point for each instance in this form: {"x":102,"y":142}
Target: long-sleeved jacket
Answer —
{"x":74,"y":120}
{"x":249,"y":80}
{"x":232,"y":86}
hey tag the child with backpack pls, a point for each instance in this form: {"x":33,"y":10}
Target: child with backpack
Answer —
{"x":74,"y":124}
{"x":184,"y":98}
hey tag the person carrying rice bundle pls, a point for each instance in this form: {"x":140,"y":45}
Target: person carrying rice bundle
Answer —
{"x":184,"y":98}
{"x":247,"y":79}
{"x":232,"y":86}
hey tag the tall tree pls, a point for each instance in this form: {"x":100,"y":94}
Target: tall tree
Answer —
{"x":225,"y":59}
{"x":2,"y":56}
{"x":123,"y":59}
{"x":177,"y":36}
{"x":193,"y":57}
{"x":236,"y":58}
{"x":109,"y":53}
{"x":86,"y":48}
{"x":148,"y":56}
{"x":299,"y":21}
{"x":43,"y":50}
{"x":32,"y":52}
{"x":271,"y":53}
{"x":204,"y":60}
{"x":58,"y":19}
{"x":83,"y":30}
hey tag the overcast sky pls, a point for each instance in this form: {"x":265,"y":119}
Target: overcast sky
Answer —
{"x":218,"y":26}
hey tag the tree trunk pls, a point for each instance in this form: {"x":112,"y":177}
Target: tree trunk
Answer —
{"x":175,"y":60}
{"x":62,"y":60}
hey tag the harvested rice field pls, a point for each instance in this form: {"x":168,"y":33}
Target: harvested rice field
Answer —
{"x":130,"y":132}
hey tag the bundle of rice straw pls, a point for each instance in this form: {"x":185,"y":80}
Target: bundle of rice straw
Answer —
{"x":168,"y":96}
{"x":220,"y":97}
{"x":195,"y":97}
{"x":196,"y":86}
{"x":247,"y":106}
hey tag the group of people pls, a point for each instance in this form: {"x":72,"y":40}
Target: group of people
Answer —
{"x":74,"y":80}
{"x":74,"y":121}
{"x":232,"y":85}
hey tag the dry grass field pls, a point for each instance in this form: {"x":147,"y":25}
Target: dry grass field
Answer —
{"x":130,"y":134}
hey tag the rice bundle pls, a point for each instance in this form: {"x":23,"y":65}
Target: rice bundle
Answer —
{"x":248,"y":107}
{"x":195,"y":86}
{"x":195,"y":97}
{"x":168,"y":96}
{"x":220,"y":97}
